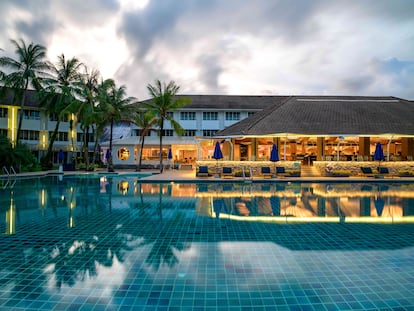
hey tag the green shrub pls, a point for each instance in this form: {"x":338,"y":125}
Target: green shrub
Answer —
{"x":341,"y":173}
{"x":293,"y":172}
{"x":239,"y":173}
{"x":406,"y":172}
{"x":81,"y":166}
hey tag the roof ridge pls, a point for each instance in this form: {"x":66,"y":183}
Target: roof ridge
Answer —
{"x":265,"y":113}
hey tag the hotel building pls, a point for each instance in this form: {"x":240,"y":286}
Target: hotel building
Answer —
{"x":305,"y":129}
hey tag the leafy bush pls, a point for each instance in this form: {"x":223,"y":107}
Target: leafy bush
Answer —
{"x":406,"y":173}
{"x":239,"y":173}
{"x":81,"y":166}
{"x":293,"y":172}
{"x":344,"y":173}
{"x":19,"y":156}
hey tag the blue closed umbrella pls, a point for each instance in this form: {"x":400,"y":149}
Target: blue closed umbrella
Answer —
{"x":61,"y":156}
{"x":169,"y":154}
{"x":217,"y":152}
{"x":274,"y":154}
{"x":217,"y":155}
{"x":378,"y":154}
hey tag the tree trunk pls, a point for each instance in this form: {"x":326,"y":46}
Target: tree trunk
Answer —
{"x":95,"y":158}
{"x":19,"y":126}
{"x":22,"y":105}
{"x":74,"y":153}
{"x":110,"y":163}
{"x":161,"y":132}
{"x":86,"y":147}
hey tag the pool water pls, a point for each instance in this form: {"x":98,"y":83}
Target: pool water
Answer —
{"x":117,"y":243}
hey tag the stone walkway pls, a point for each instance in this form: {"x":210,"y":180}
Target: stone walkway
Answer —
{"x":189,"y":175}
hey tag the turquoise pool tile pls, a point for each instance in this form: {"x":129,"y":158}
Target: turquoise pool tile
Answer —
{"x":120,"y":256}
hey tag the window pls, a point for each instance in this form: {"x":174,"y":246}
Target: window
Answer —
{"x":137,"y":132}
{"x":31,"y":115}
{"x":55,"y":117}
{"x":61,"y":136}
{"x":167,"y":133}
{"x":250,"y":113}
{"x":3,"y":112}
{"x":209,"y":133}
{"x":232,"y":116}
{"x":210,"y":115}
{"x":80,"y":137}
{"x":170,"y":114}
{"x":187,"y":115}
{"x":189,"y":133}
{"x":3,"y":132}
{"x":123,"y":154}
{"x":29,"y":135}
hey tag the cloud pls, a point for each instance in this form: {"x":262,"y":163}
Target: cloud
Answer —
{"x":229,"y":47}
{"x":378,"y":77}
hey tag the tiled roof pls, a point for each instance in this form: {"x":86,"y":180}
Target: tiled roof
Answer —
{"x":329,"y":115}
{"x":232,"y":102}
{"x":31,"y":100}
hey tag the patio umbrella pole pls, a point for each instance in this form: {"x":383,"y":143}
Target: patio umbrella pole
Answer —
{"x":217,"y":155}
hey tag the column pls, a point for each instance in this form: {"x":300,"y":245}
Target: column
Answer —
{"x":254,"y":149}
{"x":407,"y":147}
{"x":320,"y":146}
{"x":364,"y":146}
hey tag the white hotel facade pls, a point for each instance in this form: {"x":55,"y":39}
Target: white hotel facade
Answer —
{"x":201,"y":120}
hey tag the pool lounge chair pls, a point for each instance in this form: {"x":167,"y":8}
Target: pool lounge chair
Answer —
{"x":227,"y":172}
{"x":202,"y":171}
{"x":367,"y":171}
{"x":384,"y":171}
{"x":281,"y":172}
{"x":265,"y":172}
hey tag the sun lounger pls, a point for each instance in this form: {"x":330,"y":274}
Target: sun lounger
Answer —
{"x":265,"y":172}
{"x":384,"y":171}
{"x":227,"y":172}
{"x":367,"y":171}
{"x":202,"y":171}
{"x":280,"y":171}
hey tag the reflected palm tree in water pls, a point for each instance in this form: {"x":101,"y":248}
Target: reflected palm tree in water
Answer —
{"x":163,"y":246}
{"x":68,"y":255}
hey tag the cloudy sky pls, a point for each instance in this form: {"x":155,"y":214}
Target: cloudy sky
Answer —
{"x":261,"y":47}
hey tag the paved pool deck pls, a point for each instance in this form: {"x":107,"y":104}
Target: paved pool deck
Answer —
{"x":189,"y":175}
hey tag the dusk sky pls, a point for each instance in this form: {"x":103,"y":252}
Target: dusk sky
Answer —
{"x":261,"y":47}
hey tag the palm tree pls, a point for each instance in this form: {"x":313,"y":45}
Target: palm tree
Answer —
{"x":164,"y":101}
{"x":145,"y":121}
{"x":26,"y":71}
{"x":117,"y":106}
{"x":85,"y":110}
{"x":60,"y":93}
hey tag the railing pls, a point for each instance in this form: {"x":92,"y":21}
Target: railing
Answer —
{"x":10,"y":182}
{"x":6,"y":171}
{"x":10,"y":171}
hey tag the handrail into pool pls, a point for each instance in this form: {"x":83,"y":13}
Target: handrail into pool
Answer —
{"x":10,"y":171}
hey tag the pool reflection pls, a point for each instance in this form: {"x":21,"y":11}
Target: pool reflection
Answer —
{"x":87,"y":237}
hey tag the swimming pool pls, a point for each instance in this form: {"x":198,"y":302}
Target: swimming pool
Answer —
{"x":116,"y":243}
